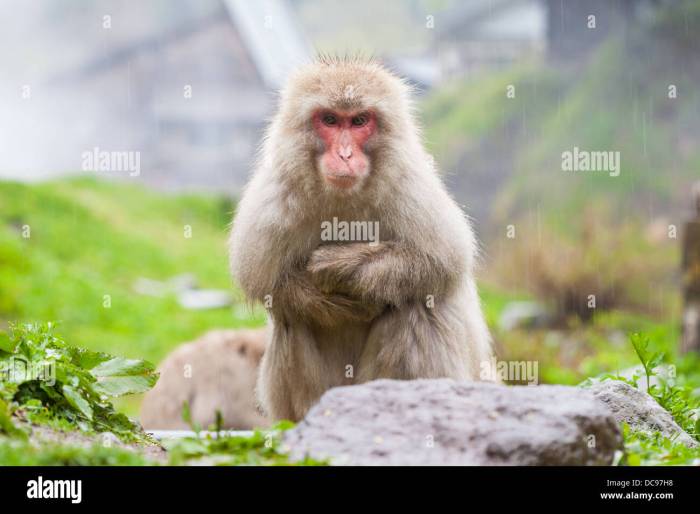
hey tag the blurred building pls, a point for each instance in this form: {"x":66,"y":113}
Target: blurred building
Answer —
{"x":575,"y":27}
{"x":487,"y":34}
{"x":190,"y":93}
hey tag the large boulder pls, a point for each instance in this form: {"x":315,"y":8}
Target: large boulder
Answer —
{"x":639,"y":410}
{"x":443,"y":422}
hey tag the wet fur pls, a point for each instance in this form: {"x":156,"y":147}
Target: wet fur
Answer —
{"x":354,"y":304}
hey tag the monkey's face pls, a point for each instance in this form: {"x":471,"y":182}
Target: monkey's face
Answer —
{"x":343,"y":161}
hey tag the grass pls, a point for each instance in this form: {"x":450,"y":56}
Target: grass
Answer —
{"x":675,"y":391}
{"x":17,"y":452}
{"x":55,"y":409}
{"x":71,"y":250}
{"x":262,"y":448}
{"x":616,"y":262}
{"x":89,"y":239}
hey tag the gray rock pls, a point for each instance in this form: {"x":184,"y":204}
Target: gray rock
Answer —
{"x":639,"y":410}
{"x":197,"y":299}
{"x":443,"y":422}
{"x":524,"y":315}
{"x":157,"y":288}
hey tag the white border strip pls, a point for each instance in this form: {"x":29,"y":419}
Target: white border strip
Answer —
{"x":181,"y":434}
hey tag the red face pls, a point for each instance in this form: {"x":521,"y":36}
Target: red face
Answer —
{"x":344,"y":162}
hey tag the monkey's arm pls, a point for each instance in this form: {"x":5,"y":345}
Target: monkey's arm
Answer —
{"x":266,"y":263}
{"x":388,"y":273}
{"x":297,"y":298}
{"x":292,"y":296}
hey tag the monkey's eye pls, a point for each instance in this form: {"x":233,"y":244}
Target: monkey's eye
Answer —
{"x":330,"y":119}
{"x":360,"y":120}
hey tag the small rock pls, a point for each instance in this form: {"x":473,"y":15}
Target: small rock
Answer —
{"x":639,"y":410}
{"x":524,"y":315}
{"x":443,"y":422}
{"x":183,"y":282}
{"x":198,"y":299}
{"x":157,"y":288}
{"x":150,"y":287}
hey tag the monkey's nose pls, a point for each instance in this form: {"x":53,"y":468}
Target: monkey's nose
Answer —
{"x":345,"y":152}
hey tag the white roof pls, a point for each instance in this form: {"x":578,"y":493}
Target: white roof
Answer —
{"x":271,"y":35}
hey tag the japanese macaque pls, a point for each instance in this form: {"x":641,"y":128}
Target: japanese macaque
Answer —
{"x":216,"y":372}
{"x":344,"y":148}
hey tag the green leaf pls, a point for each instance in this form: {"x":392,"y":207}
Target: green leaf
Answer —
{"x":118,"y":366}
{"x":185,"y":413}
{"x":187,"y":417}
{"x":87,"y":359}
{"x":640,"y":344}
{"x":6,"y":344}
{"x":6,"y":424}
{"x":119,"y":376}
{"x":655,"y":360}
{"x":634,"y":460}
{"x":118,"y":386}
{"x":76,"y":400}
{"x":52,"y":382}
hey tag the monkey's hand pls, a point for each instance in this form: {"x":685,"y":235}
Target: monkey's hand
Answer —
{"x":381,"y":274}
{"x":298,"y":298}
{"x":334,"y":267}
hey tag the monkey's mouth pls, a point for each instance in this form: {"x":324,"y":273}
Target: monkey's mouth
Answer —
{"x":341,"y":181}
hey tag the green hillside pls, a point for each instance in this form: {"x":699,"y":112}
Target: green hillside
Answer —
{"x":87,"y":239}
{"x":636,"y":95}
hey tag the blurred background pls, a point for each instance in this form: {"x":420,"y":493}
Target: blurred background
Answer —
{"x":129,"y":253}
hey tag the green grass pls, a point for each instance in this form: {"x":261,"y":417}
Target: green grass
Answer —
{"x":576,"y":351}
{"x":655,"y":450}
{"x":88,"y":239}
{"x":461,"y":114}
{"x":55,"y":408}
{"x":18,"y":452}
{"x":262,"y":448}
{"x":676,"y":391}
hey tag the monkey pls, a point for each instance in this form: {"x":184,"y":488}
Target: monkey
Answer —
{"x":344,"y":144}
{"x":217,"y":371}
